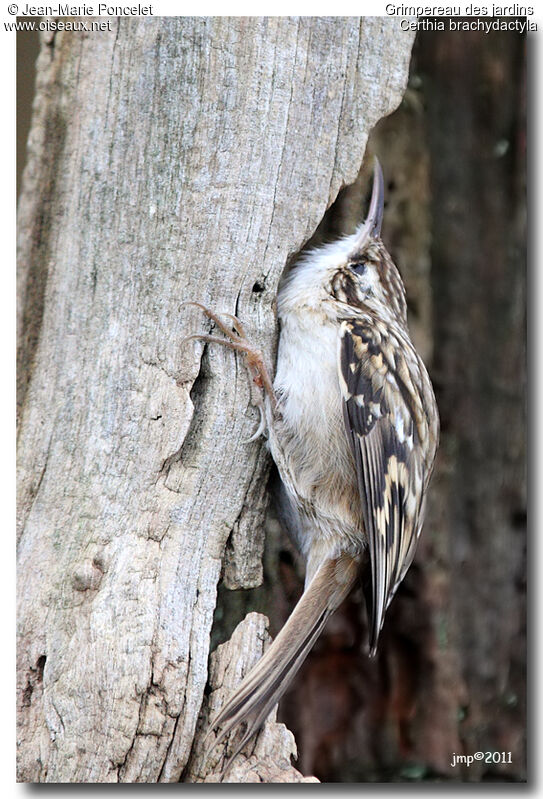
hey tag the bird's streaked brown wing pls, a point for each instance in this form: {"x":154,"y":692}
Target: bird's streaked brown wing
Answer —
{"x":386,"y":426}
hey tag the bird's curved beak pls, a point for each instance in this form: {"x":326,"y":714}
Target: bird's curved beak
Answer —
{"x":371,"y":227}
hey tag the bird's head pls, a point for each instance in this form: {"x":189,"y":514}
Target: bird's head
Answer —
{"x":351,"y":274}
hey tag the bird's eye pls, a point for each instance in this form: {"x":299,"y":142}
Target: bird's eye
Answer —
{"x":359,"y":267}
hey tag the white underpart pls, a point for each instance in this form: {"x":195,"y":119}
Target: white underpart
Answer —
{"x":307,"y":384}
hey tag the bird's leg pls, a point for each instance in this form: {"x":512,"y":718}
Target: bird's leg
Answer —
{"x":237,"y":340}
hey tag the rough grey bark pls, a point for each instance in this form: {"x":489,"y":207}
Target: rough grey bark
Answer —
{"x":169,"y":160}
{"x":269,"y":760}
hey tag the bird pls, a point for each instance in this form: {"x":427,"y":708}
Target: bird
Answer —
{"x":353,"y":427}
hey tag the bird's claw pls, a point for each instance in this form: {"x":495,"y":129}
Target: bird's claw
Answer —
{"x":237,"y":340}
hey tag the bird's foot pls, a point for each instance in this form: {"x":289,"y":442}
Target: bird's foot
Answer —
{"x":236,"y":339}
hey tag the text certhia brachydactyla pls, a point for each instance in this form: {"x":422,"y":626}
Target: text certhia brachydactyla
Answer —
{"x":353,"y":427}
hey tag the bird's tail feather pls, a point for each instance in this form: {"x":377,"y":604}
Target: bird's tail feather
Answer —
{"x":262,"y":688}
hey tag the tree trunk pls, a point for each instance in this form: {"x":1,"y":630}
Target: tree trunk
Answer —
{"x":169,"y":160}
